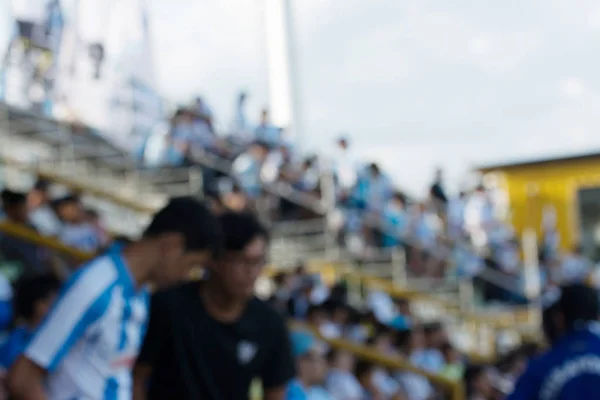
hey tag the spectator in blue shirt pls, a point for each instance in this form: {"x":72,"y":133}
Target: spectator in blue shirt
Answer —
{"x":267,"y":132}
{"x":33,"y":298}
{"x":311,"y":369}
{"x":395,"y":221}
{"x":246,"y":168}
{"x":570,"y":369}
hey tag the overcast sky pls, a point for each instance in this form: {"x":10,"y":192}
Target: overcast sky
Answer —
{"x":415,"y":83}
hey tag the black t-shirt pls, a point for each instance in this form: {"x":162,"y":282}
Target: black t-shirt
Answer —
{"x":194,"y":356}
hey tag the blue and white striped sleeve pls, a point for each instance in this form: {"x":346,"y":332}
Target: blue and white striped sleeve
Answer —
{"x":83,"y":300}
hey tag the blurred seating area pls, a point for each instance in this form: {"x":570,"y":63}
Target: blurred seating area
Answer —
{"x":380,"y":345}
{"x":407,"y":298}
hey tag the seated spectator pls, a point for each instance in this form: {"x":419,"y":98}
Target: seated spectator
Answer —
{"x":311,"y":369}
{"x":19,"y":256}
{"x":575,"y":267}
{"x":299,"y":303}
{"x":41,"y":214}
{"x":386,"y":385}
{"x":335,"y":326}
{"x":411,"y":344}
{"x":454,"y":368}
{"x":477,"y":382}
{"x":93,"y":218}
{"x":33,"y":298}
{"x":76,"y":231}
{"x":341,"y":382}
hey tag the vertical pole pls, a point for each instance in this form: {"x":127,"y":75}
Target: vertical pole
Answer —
{"x":399,"y":267}
{"x":532,"y":275}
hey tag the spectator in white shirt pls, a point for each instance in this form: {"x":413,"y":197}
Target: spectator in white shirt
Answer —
{"x":41,"y":214}
{"x":575,"y":267}
{"x":455,"y":216}
{"x":76,"y":231}
{"x":341,"y":382}
{"x":247,"y":168}
{"x":478,"y":216}
{"x":345,"y":166}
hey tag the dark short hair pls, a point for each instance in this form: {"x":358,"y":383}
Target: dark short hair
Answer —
{"x":12,"y":198}
{"x":191,"y":218}
{"x":239,"y":229}
{"x":32,"y":289}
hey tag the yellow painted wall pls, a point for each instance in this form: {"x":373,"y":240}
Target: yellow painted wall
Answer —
{"x":531,"y":187}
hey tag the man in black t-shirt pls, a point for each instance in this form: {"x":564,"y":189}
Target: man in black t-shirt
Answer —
{"x":208,"y":340}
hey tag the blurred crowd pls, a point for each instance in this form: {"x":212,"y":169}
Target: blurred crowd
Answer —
{"x":62,"y":216}
{"x":442,"y":235}
{"x":388,"y":326}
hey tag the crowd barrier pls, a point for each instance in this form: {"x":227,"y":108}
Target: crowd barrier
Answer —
{"x":78,"y":186}
{"x":454,"y":388}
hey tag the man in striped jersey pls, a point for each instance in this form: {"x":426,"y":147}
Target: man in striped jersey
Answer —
{"x":86,"y":347}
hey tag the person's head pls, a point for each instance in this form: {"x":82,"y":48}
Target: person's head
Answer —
{"x":373,"y":170}
{"x":403,"y":306}
{"x":70,"y":210}
{"x":450,"y":353}
{"x":39,"y":194}
{"x":398,"y":201}
{"x":435,"y":334}
{"x":340,"y":313}
{"x":243,"y":96}
{"x":411,"y":340}
{"x":364,"y":373}
{"x":92,"y":216}
{"x":569,"y":308}
{"x":343,"y":143}
{"x":183,"y":235}
{"x":382,"y":340}
{"x":264,"y":116}
{"x":477,"y":381}
{"x":243,"y":256}
{"x":34,"y":296}
{"x":342,"y":360}
{"x":15,"y":206}
{"x":310,"y":359}
{"x":316,"y":315}
{"x":259,"y":150}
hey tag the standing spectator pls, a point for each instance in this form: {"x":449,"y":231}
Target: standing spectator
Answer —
{"x":379,"y":188}
{"x":437,"y":192}
{"x":179,"y":138}
{"x":33,"y":298}
{"x":41,"y":214}
{"x":395,"y":221}
{"x":570,"y":368}
{"x":210,"y":339}
{"x":266,"y":132}
{"x":247,"y":166}
{"x":345,"y":166}
{"x":86,"y":346}
{"x":311,"y":368}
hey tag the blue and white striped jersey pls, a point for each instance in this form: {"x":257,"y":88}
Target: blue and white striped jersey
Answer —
{"x":91,"y":337}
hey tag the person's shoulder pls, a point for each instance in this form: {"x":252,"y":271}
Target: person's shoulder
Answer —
{"x":175,"y":295}
{"x":260,"y":310}
{"x":99,"y":273}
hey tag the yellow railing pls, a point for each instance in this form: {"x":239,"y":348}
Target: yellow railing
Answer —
{"x":363,"y":352}
{"x":78,"y":186}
